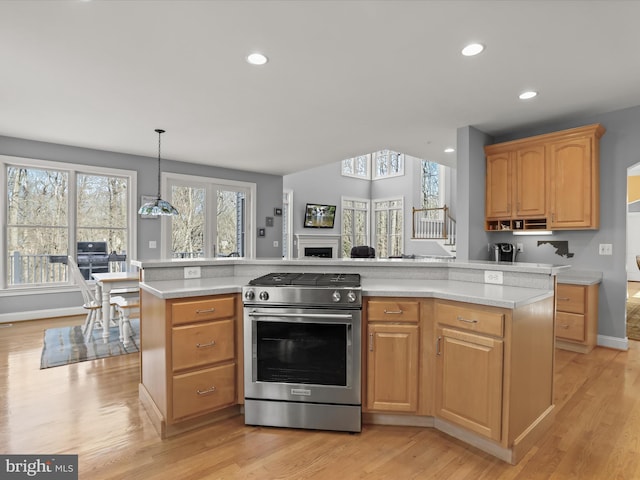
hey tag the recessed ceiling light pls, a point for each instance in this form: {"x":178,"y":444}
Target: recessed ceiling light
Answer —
{"x":449,"y":150}
{"x":472,"y":49}
{"x":527,"y":95}
{"x":257,"y":59}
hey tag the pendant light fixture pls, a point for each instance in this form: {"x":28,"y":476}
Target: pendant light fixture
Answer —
{"x":158,"y":206}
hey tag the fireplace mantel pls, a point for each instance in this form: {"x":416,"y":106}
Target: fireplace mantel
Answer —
{"x":306,"y":240}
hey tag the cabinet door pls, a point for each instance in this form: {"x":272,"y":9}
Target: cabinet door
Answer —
{"x":574,"y":198}
{"x":498,"y":186}
{"x":392,"y":368}
{"x":469,"y":381}
{"x":530,"y":178}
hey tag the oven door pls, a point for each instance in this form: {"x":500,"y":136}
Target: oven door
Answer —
{"x":302,"y":354}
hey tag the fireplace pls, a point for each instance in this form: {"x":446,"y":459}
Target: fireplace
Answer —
{"x":322,"y":252}
{"x":322,"y":246}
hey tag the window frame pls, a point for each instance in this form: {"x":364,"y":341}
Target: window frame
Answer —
{"x":374,"y":165}
{"x":375,"y":226}
{"x":73,"y":169}
{"x":441,"y":184}
{"x":367,"y":210}
{"x":365,"y":176}
{"x":169,"y":179}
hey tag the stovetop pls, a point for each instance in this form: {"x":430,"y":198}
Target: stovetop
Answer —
{"x":348,"y":280}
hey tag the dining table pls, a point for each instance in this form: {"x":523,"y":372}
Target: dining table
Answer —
{"x":107,"y":283}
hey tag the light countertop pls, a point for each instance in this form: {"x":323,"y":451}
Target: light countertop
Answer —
{"x":478,"y":293}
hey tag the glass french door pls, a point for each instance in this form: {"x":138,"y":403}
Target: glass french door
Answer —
{"x":212,"y":220}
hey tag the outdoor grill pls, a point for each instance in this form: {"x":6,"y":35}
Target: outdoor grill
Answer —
{"x":93,"y":257}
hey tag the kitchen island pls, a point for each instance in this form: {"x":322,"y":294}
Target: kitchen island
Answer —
{"x":470,"y":358}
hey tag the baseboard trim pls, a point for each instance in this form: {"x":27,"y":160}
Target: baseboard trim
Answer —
{"x":40,"y":314}
{"x":613,"y":342}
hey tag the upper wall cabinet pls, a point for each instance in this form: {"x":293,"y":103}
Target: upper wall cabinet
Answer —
{"x":544,"y":182}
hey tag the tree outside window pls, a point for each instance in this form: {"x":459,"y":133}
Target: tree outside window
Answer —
{"x":388,"y":223}
{"x":40,"y":205}
{"x":355,"y":224}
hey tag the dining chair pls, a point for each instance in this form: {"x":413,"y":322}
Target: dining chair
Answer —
{"x":91,"y":303}
{"x":124,"y":306}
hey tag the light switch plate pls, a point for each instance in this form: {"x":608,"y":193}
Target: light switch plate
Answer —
{"x":605,"y":249}
{"x":191,"y":272}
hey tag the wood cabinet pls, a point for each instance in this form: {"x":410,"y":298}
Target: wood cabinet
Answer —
{"x":576,"y":317}
{"x":469,"y":368}
{"x":516,"y":180}
{"x":544,"y":182}
{"x":575,"y":183}
{"x":494,"y":373}
{"x":392,"y":354}
{"x":189,"y":363}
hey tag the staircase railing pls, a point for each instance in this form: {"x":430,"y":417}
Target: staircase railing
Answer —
{"x":434,"y":224}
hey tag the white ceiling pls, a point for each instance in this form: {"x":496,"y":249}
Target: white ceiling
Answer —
{"x":344,"y":77}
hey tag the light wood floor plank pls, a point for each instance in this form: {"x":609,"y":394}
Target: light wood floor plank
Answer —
{"x":92,"y":409}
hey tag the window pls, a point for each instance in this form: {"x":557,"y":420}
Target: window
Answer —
{"x":51,"y":207}
{"x":197,"y":233}
{"x":388,"y":224}
{"x":357,"y":167}
{"x":355,"y":224}
{"x":388,"y":164}
{"x":432,"y":174}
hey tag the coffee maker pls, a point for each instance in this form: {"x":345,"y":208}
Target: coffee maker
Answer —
{"x":503,"y":252}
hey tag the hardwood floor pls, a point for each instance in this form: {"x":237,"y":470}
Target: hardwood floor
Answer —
{"x":92,"y":409}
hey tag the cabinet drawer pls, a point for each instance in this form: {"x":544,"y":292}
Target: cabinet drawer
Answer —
{"x":204,"y":390}
{"x":481,"y":321}
{"x":393,"y":310}
{"x":570,"y":298}
{"x":570,"y":326}
{"x":202,"y":343}
{"x":200,"y":310}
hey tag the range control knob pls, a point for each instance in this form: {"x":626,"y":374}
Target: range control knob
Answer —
{"x":351,"y":296}
{"x":249,"y":294}
{"x":264,"y":296}
{"x":335,"y":296}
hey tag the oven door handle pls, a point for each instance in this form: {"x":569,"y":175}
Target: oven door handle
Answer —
{"x":302,"y":315}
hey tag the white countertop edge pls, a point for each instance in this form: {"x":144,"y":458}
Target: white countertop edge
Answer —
{"x":580,"y":277}
{"x":543,"y":268}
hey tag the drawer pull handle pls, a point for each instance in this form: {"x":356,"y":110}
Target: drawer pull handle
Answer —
{"x":212,"y":343}
{"x":564,"y":325}
{"x":564,"y":299}
{"x":208,"y":310}
{"x":465,"y":320}
{"x":438,"y":346}
{"x":393,"y":312}
{"x":207,"y":391}
{"x":371,"y":342}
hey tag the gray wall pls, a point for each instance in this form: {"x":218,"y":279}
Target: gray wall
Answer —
{"x":269,"y":193}
{"x":619,"y":149}
{"x":325,"y":184}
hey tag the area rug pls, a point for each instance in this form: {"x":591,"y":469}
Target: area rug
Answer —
{"x":633,"y":321}
{"x":66,"y":345}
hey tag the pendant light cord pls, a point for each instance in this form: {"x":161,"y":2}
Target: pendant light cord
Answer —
{"x":160,"y":132}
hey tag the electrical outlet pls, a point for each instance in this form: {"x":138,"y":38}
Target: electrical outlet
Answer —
{"x":519,"y":247}
{"x":605,"y":249}
{"x":191,"y":272}
{"x":275,"y":243}
{"x":152,"y":244}
{"x":491,"y":276}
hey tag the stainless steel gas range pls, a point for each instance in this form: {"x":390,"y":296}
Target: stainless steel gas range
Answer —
{"x":302,"y":344}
